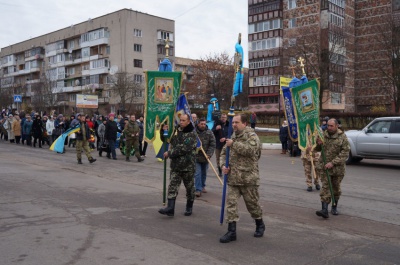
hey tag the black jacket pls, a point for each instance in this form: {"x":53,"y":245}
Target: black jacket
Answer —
{"x":111,"y":131}
{"x":79,"y":135}
{"x":283,"y":133}
{"x":223,"y":133}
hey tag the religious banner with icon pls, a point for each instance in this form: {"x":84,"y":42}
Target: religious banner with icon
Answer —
{"x":161,"y":95}
{"x":306,"y":109}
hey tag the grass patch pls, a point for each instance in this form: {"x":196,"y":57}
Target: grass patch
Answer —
{"x":269,"y":138}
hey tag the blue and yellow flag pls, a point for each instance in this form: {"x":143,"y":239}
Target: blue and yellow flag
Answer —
{"x":58,"y":144}
{"x":306,"y":109}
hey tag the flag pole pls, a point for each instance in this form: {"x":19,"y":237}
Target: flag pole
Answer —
{"x":237,"y":85}
{"x":209,"y":162}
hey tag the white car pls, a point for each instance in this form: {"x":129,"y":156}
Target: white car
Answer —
{"x":378,"y":140}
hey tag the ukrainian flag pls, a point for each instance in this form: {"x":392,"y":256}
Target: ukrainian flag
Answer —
{"x":58,"y":144}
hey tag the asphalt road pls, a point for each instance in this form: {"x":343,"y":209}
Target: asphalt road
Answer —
{"x":54,"y":211}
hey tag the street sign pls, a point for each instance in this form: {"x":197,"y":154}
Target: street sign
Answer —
{"x":17,"y":98}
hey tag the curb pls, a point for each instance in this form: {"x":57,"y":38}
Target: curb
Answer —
{"x":270,"y":146}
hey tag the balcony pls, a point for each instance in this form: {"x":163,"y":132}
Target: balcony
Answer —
{"x":35,"y":57}
{"x":164,"y":42}
{"x":95,"y":42}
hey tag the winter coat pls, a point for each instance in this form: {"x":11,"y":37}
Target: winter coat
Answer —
{"x":27,"y":127}
{"x":16,"y":128}
{"x":50,"y":127}
{"x":283,"y":134}
{"x":79,"y":134}
{"x":111,"y":131}
{"x":222,"y":133}
{"x":37,"y":128}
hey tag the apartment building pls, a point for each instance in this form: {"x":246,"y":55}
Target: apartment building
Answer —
{"x":335,"y":37}
{"x":84,"y":59}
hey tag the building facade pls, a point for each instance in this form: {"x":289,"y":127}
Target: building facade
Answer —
{"x":85,"y":59}
{"x":335,"y":37}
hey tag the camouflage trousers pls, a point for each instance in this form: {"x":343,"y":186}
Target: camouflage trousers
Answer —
{"x":250,"y":196}
{"x":82,"y":145}
{"x":325,"y":193}
{"x":309,"y":172}
{"x":132,"y":143}
{"x":175,"y":182}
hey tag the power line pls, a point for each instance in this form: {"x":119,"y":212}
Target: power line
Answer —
{"x":196,"y":6}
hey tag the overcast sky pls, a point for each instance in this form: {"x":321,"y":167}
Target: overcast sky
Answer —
{"x":202,"y":27}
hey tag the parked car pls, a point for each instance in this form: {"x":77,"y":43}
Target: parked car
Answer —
{"x":378,"y":140}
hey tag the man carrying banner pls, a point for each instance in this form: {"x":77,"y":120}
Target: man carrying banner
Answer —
{"x":208,"y":145}
{"x":244,"y":178}
{"x":182,"y":154}
{"x":336,"y":148}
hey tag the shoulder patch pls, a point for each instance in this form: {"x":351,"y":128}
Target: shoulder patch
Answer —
{"x":252,"y":142}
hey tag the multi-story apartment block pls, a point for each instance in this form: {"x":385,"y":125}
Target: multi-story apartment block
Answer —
{"x":335,"y":37}
{"x":83,"y":58}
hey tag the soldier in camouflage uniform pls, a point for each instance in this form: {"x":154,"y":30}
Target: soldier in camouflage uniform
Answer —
{"x":131,"y":133}
{"x":244,"y":178}
{"x":82,"y":137}
{"x":337,"y":148}
{"x":308,"y":170}
{"x":183,"y":155}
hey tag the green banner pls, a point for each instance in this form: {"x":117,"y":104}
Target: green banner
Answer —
{"x":161,"y":94}
{"x":306,"y":109}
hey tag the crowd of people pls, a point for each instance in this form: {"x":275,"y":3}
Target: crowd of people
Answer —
{"x":97,"y":132}
{"x":189,"y":164}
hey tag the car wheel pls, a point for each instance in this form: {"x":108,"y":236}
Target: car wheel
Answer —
{"x":350,"y":159}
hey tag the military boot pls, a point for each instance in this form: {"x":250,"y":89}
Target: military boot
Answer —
{"x":139,"y":159}
{"x":170,"y":209}
{"x":79,"y":161}
{"x":260,"y":228}
{"x":324,"y":212}
{"x":230,"y":235}
{"x":334,"y":208}
{"x":92,"y":160}
{"x":189,"y":208}
{"x":127,"y":159}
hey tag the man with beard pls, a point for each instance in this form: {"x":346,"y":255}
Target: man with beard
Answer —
{"x":336,"y":148}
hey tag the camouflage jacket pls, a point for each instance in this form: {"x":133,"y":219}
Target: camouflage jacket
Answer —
{"x":243,"y":161}
{"x":207,"y":139}
{"x":336,"y":149}
{"x":183,"y":149}
{"x":132,"y":127}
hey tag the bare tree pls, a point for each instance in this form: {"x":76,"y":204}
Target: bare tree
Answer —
{"x":212,"y":75}
{"x":45,"y":94}
{"x":127,"y":89}
{"x":324,"y":54}
{"x":6,"y":95}
{"x":387,"y":61}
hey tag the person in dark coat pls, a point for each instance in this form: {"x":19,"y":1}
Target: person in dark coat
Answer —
{"x":111,"y":135}
{"x":220,"y":131}
{"x":37,"y":131}
{"x":283,"y":136}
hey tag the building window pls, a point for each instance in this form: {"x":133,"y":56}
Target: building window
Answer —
{"x":138,"y":78}
{"x":265,"y":44}
{"x":291,"y":4}
{"x":336,"y":20}
{"x":137,"y":63}
{"x":137,"y":47}
{"x":72,"y":97}
{"x":137,"y":33}
{"x":108,"y":50}
{"x":292,"y":23}
{"x":264,"y":63}
{"x":85,"y":52}
{"x":163,"y":35}
{"x":107,"y":93}
{"x":336,"y":98}
{"x":396,"y":5}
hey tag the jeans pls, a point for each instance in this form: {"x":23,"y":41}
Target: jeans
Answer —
{"x":200,"y":175}
{"x":111,"y":143}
